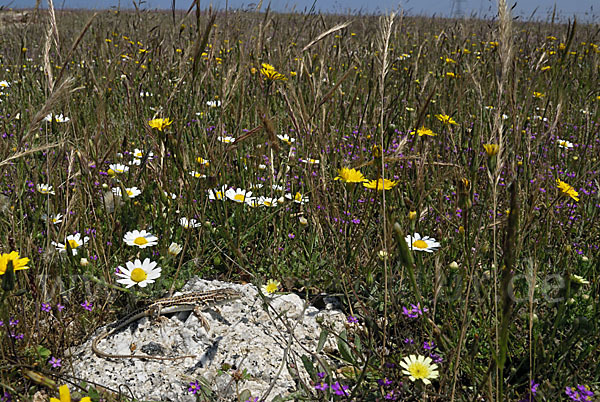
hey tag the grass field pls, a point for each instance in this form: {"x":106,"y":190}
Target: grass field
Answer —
{"x":469,"y":273}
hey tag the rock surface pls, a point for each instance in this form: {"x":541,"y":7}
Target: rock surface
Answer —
{"x":242,"y":334}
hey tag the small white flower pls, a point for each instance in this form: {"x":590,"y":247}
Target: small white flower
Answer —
{"x":217,"y":194}
{"x":286,"y":138}
{"x":72,"y":241}
{"x":213,"y":103}
{"x":141,"y":239}
{"x":310,"y":161}
{"x":54,"y":219}
{"x":139,"y":154}
{"x":202,"y":161}
{"x":45,"y":189}
{"x":197,"y":175}
{"x":189,"y":223}
{"x":4,"y":84}
{"x":564,"y":144}
{"x":138,"y":273}
{"x":226,"y":140}
{"x":117,"y":168}
{"x":58,"y":118}
{"x":132,"y":192}
{"x":145,"y":94}
{"x":298,"y":198}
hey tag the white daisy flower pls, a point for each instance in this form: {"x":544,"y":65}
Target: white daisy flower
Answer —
{"x":141,"y":239}
{"x":266,"y":201}
{"x":564,"y":144}
{"x":117,"y":168}
{"x":197,"y":175}
{"x":145,"y":94}
{"x":58,"y":118}
{"x":238,"y":195}
{"x":213,"y":103}
{"x":73,"y":241}
{"x":217,"y":194}
{"x":310,"y":161}
{"x":419,"y":368}
{"x":226,"y":140}
{"x":138,"y":273}
{"x":132,"y":192}
{"x":202,"y":161}
{"x":418,"y":243}
{"x":188,"y":223}
{"x":45,"y":189}
{"x":170,"y":195}
{"x":286,"y":138}
{"x":4,"y":84}
{"x":54,"y":219}
{"x":298,"y":198}
{"x":139,"y":154}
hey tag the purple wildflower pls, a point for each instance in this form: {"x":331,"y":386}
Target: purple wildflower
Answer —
{"x":429,"y":345}
{"x":54,"y":362}
{"x":194,"y":387}
{"x":87,"y":305}
{"x":352,"y":319}
{"x":322,"y":386}
{"x":46,"y":307}
{"x":384,"y":382}
{"x":339,"y":389}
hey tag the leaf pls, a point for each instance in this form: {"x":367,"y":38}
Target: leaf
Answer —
{"x":344,"y":348}
{"x":244,"y":396}
{"x":309,"y":367}
{"x":322,"y":340}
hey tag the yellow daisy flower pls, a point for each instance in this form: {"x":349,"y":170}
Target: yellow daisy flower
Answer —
{"x":160,"y":124}
{"x":567,"y":189}
{"x":350,"y":176}
{"x":18,"y":263}
{"x":381,"y":184}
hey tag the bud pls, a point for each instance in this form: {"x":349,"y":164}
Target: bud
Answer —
{"x":175,"y":249}
{"x":461,"y":230}
{"x":453,"y":265}
{"x":492,"y":151}
{"x":303,"y":221}
{"x":464,"y":194}
{"x":84,"y":262}
{"x":584,"y":259}
{"x":8,"y":279}
{"x":405,"y":254}
{"x":412,"y":215}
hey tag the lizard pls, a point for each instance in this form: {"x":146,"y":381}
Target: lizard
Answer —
{"x":193,"y":301}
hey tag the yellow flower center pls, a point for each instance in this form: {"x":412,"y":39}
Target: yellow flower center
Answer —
{"x":111,"y":173}
{"x":240,"y":197}
{"x":138,"y":275}
{"x":420,"y":244}
{"x":219,"y":195}
{"x":140,"y":241}
{"x":298,"y":197}
{"x":129,"y":193}
{"x":418,"y":370}
{"x":267,"y":203}
{"x":73,"y":244}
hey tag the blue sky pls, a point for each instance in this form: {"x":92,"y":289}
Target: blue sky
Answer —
{"x":482,"y":8}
